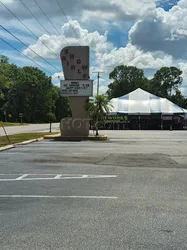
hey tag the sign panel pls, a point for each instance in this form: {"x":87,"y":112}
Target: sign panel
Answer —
{"x":116,"y":118}
{"x":76,"y":88}
{"x":75,"y":62}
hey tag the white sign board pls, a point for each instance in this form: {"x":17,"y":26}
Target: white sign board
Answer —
{"x":76,"y":87}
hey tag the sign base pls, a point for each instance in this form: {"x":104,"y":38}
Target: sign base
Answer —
{"x":79,"y":123}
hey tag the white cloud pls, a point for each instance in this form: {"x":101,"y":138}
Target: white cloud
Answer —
{"x":157,"y":38}
{"x":162,"y":31}
{"x":95,"y":40}
{"x":130,"y":55}
{"x":87,"y":10}
{"x":59,"y":75}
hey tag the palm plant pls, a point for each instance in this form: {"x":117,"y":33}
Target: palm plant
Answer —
{"x":97,"y":109}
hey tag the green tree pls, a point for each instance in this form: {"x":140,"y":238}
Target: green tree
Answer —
{"x":8,"y":74}
{"x":97,"y":109}
{"x":30,"y":91}
{"x":3,"y":59}
{"x":62,"y":108}
{"x":179,"y":99}
{"x":33,"y":94}
{"x":126,"y":79}
{"x":166,"y":80}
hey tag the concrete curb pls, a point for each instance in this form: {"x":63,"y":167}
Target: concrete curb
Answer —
{"x":6,"y":147}
{"x":81,"y":138}
{"x":58,"y":137}
{"x":20,"y":143}
{"x":29,"y":141}
{"x":51,"y":136}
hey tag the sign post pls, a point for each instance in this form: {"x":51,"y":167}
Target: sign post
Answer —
{"x":5,"y":115}
{"x":21,"y":117}
{"x":1,"y":124}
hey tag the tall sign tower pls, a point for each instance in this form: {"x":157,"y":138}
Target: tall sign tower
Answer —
{"x":77,"y":86}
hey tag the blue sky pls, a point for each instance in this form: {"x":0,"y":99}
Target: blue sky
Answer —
{"x":167,"y":4}
{"x":148,"y":34}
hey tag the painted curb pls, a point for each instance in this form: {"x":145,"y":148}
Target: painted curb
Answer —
{"x":51,"y":136}
{"x":20,"y":143}
{"x":6,"y":147}
{"x":81,"y":138}
{"x":29,"y":141}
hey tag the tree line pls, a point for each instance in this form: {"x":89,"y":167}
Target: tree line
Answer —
{"x":28,"y":91}
{"x":165,"y":83}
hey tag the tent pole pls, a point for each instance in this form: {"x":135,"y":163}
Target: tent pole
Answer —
{"x":161,"y":122}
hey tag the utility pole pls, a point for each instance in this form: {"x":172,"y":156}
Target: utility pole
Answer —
{"x":98,"y":77}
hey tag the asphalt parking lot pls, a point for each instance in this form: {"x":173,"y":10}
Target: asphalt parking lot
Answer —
{"x":129,"y":192}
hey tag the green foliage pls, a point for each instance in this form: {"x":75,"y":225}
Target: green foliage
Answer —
{"x":166,"y":80}
{"x":126,"y":79}
{"x":3,"y":59}
{"x":165,"y":83}
{"x":97,"y":109}
{"x":51,"y":117}
{"x":30,"y":91}
{"x":62,"y":108}
{"x":179,"y":99}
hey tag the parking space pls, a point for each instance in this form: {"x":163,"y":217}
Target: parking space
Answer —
{"x":125,"y":193}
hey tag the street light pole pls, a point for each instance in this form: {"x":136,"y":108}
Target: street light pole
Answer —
{"x":98,"y":77}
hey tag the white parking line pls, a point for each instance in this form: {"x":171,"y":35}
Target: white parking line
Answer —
{"x":25,"y":177}
{"x":57,"y":176}
{"x":60,"y":197}
{"x":21,"y":177}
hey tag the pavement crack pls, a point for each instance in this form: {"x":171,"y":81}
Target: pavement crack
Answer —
{"x":104,"y":158}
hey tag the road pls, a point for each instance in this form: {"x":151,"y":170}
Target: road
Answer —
{"x":126,"y":193}
{"x":30,"y":128}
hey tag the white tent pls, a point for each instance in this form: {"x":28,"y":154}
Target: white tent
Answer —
{"x":142,"y":102}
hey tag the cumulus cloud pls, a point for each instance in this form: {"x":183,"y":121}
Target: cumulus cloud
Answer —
{"x":157,"y":38}
{"x":162,"y":31}
{"x":131,"y":55}
{"x":95,"y":40}
{"x":102,"y":9}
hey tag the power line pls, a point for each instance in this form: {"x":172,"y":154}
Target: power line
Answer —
{"x":69,"y":21}
{"x":29,"y":48}
{"x":39,"y":22}
{"x":98,"y":77}
{"x":29,"y":29}
{"x":25,"y":55}
{"x":50,"y":21}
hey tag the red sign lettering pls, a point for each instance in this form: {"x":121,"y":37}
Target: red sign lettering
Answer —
{"x":84,"y":67}
{"x":72,"y":67}
{"x":84,"y":75}
{"x":78,"y":61}
{"x":71,"y":56}
{"x":63,"y":58}
{"x":66,"y":51}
